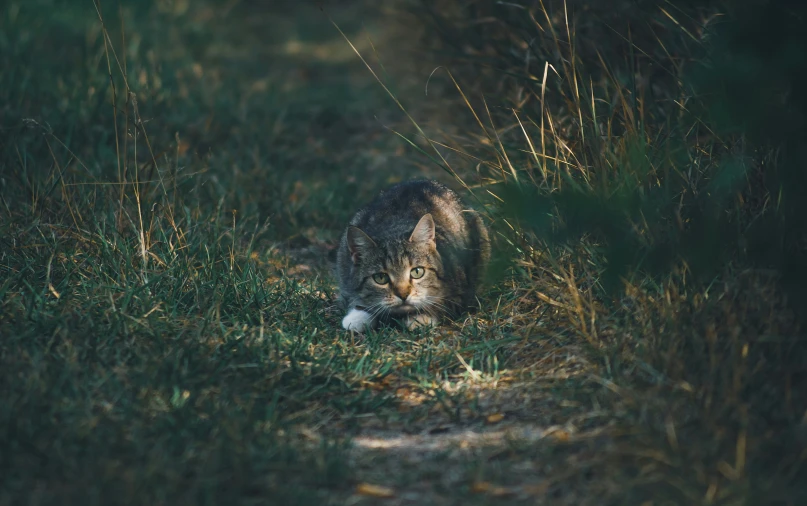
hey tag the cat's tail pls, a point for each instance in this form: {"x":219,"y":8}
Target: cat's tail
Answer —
{"x":480,"y":246}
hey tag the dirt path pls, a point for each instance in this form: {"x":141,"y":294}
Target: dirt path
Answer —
{"x":507,"y":437}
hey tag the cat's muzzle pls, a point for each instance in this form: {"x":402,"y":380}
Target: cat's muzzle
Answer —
{"x":403,"y":309}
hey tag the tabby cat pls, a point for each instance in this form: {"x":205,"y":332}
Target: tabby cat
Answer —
{"x":414,"y":253}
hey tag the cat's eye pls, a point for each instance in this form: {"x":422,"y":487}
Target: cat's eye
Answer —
{"x":381,"y":278}
{"x":417,"y":272}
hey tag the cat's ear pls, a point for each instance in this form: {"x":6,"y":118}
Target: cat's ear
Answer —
{"x":424,"y":230}
{"x":358,"y":243}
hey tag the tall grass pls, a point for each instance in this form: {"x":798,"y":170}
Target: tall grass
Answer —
{"x":600,"y":138}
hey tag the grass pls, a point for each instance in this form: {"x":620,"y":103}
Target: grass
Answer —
{"x":173,"y":182}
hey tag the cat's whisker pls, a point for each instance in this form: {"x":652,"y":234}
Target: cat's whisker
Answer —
{"x":370,"y":307}
{"x":431,"y":303}
{"x":384,"y":311}
{"x":437,"y":311}
{"x":376,"y":309}
{"x":429,"y":310}
{"x":435,"y":298}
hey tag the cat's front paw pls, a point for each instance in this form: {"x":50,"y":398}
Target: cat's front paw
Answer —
{"x":420,"y":320}
{"x":357,"y":320}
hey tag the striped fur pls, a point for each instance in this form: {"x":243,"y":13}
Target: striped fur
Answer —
{"x":412,"y":225}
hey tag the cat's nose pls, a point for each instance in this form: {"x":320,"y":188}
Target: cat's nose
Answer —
{"x":403,"y":292}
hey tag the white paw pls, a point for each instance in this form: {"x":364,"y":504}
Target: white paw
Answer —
{"x":357,"y":320}
{"x":421,"y":320}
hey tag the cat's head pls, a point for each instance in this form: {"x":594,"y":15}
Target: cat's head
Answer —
{"x":400,"y":275}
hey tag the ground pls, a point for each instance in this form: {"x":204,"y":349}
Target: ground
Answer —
{"x":169,"y":318}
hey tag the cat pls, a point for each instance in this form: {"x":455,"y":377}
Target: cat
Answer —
{"x":414,"y":253}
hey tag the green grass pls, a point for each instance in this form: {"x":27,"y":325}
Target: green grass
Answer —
{"x":168,"y":322}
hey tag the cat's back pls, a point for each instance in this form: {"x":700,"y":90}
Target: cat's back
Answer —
{"x":397,"y":209}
